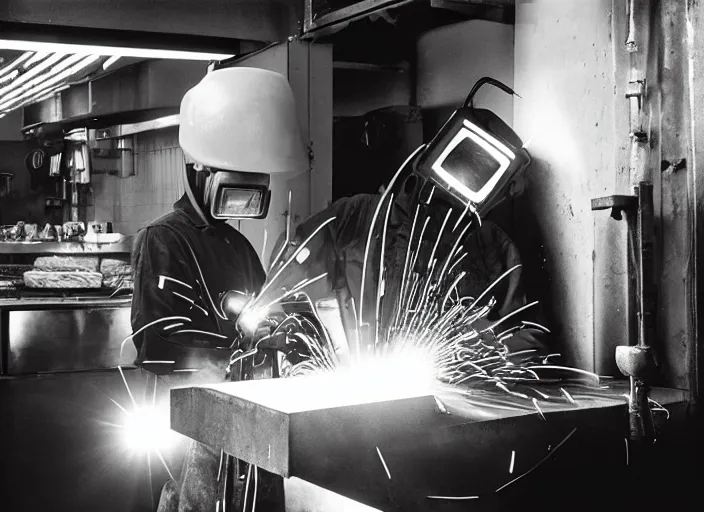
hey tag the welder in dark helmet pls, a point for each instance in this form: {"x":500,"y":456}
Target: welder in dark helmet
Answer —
{"x":237,"y":126}
{"x":467,"y":168}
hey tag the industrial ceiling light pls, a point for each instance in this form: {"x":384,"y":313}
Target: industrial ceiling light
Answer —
{"x":54,"y":80}
{"x":15,"y":63}
{"x":112,"y":60}
{"x":9,"y":77}
{"x":19,"y":89}
{"x":36,"y":58}
{"x":147,"y":53}
{"x":34,"y":72}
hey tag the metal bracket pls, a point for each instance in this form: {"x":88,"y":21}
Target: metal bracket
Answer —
{"x":636,"y":89}
{"x":617,"y":203}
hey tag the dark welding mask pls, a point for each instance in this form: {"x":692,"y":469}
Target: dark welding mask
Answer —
{"x":475,"y":155}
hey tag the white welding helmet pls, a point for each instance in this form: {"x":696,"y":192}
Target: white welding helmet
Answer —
{"x":239,"y":126}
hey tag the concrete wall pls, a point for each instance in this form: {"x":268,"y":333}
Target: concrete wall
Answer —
{"x":10,"y":126}
{"x":564,"y":71}
{"x":356,"y":92}
{"x":452,"y":58}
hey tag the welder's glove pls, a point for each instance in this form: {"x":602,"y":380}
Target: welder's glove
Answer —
{"x":482,"y":327}
{"x":526,"y":339}
{"x":522,"y":338}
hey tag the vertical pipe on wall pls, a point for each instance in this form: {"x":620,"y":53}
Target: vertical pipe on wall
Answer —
{"x":695,"y":58}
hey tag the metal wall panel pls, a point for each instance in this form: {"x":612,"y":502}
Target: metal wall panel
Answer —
{"x":76,"y":339}
{"x":308,"y":68}
{"x":133,"y":202}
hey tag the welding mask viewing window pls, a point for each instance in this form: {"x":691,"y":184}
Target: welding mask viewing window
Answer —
{"x":236,"y":195}
{"x":474,"y":155}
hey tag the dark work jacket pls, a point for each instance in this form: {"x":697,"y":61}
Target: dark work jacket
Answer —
{"x":339,"y":251}
{"x":168,"y":283}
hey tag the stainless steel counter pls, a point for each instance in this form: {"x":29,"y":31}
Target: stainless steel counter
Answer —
{"x":63,"y":302}
{"x":124,"y":246}
{"x":64,"y":334}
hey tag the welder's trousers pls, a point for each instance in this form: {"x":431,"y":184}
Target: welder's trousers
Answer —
{"x":198,"y":489}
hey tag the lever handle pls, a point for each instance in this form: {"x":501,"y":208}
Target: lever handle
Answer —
{"x":617,"y":203}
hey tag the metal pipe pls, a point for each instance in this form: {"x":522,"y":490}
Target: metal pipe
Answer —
{"x":631,"y":45}
{"x":641,"y":421}
{"x":74,"y":194}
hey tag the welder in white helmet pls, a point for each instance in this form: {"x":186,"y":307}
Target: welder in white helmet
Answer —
{"x":237,"y":127}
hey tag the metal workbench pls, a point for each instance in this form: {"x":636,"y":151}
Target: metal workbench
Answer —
{"x":407,"y":454}
{"x":58,"y":379}
{"x":124,"y":246}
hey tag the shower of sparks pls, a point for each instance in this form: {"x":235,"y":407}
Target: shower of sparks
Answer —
{"x":417,"y":314}
{"x":513,"y":461}
{"x":381,"y":458}
{"x":246,"y":487}
{"x":656,"y":407}
{"x":537,"y":407}
{"x":455,"y":498}
{"x":441,"y":406}
{"x":252,"y":476}
{"x":568,"y":396}
{"x":540,"y":462}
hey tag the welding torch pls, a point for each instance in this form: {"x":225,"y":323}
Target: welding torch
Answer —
{"x":258,"y":332}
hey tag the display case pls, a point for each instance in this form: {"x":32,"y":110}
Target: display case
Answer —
{"x":48,"y":330}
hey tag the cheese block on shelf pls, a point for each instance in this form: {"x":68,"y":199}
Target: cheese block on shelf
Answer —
{"x":63,"y":280}
{"x":67,"y":263}
{"x":118,"y":282}
{"x":115,"y":267}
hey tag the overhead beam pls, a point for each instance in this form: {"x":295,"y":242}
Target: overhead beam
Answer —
{"x":482,"y":3}
{"x":260,"y":20}
{"x":329,"y":23}
{"x":500,"y":11}
{"x":10,"y":30}
{"x":316,"y":25}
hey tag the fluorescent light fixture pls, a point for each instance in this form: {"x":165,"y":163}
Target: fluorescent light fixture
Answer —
{"x":117,"y":51}
{"x":36,"y":58}
{"x":112,"y":60}
{"x":35,"y":71}
{"x":87,"y":61}
{"x":15,"y":63}
{"x":56,"y":80}
{"x":73,"y":59}
{"x":11,"y":76}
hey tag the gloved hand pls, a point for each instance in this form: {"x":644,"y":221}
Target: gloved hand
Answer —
{"x":523,"y":338}
{"x":527,"y":339}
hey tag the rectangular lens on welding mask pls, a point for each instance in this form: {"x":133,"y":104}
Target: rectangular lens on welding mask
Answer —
{"x":473,"y":162}
{"x":240,"y":202}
